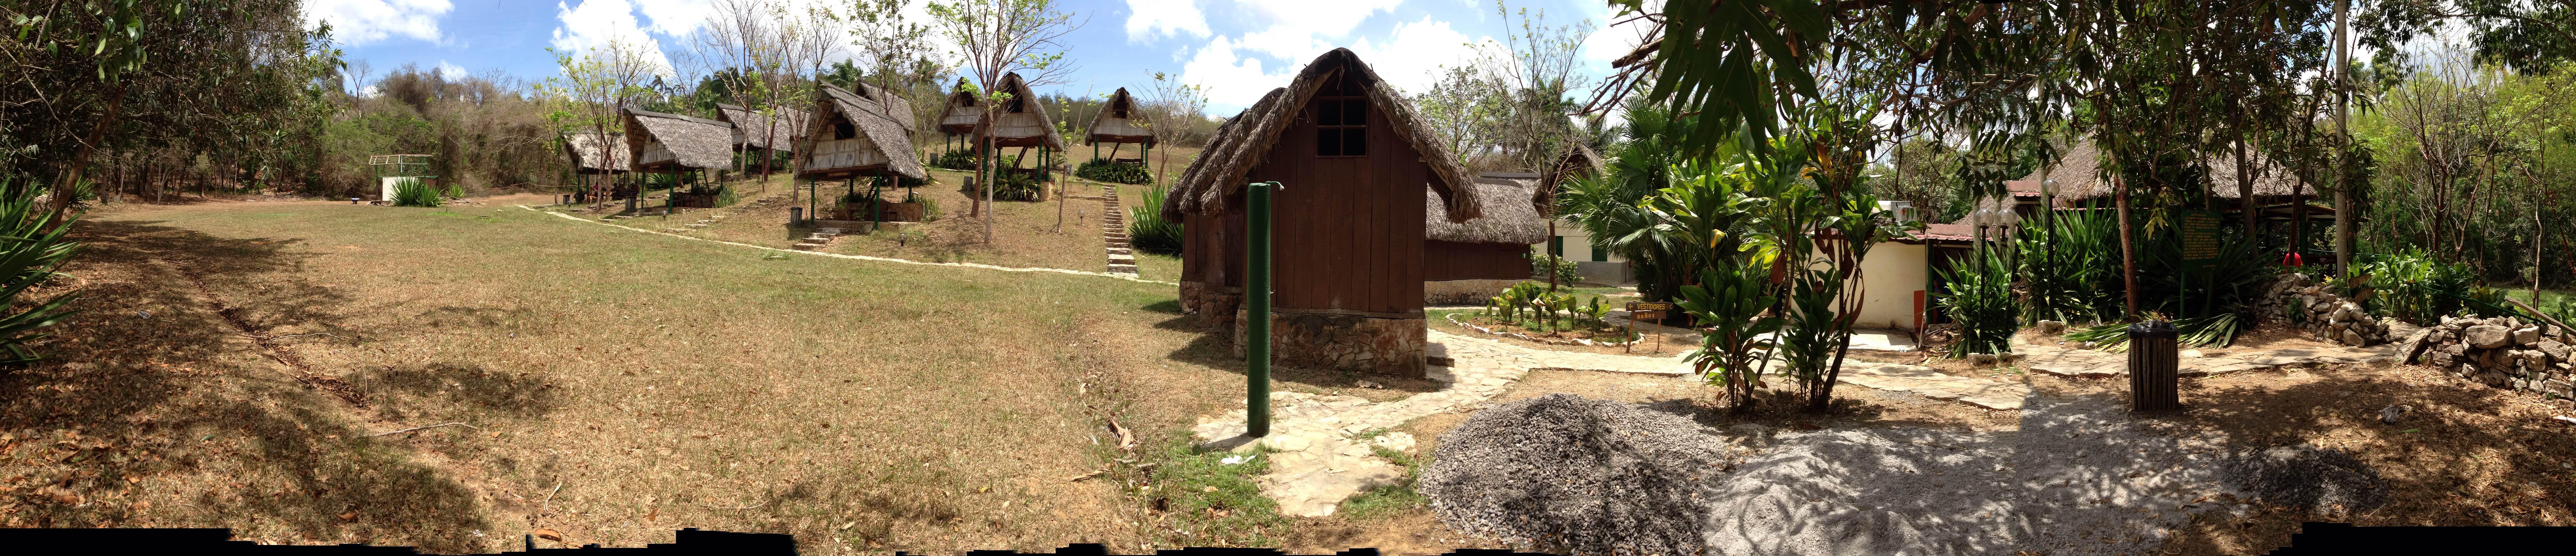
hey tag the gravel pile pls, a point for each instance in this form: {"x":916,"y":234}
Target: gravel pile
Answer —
{"x":1568,"y":473}
{"x":1869,"y":491}
{"x":2307,"y":477}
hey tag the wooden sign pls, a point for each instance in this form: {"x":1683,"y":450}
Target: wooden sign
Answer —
{"x":2199,"y":229}
{"x":1649,"y":306}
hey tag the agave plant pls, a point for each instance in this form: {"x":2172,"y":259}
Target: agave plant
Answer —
{"x":31,"y":247}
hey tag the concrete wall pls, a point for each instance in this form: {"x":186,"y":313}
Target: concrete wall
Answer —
{"x":1578,"y":248}
{"x":1891,"y":275}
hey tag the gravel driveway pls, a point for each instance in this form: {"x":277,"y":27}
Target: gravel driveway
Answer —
{"x":2081,"y":476}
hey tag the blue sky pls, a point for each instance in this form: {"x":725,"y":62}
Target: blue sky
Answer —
{"x":1237,"y":49}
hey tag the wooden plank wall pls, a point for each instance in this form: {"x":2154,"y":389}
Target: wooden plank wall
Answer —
{"x":1448,"y":260}
{"x":1347,"y":230}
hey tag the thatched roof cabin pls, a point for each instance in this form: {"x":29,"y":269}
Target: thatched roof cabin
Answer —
{"x":2079,"y":177}
{"x":752,"y":129}
{"x":855,"y":133}
{"x":671,"y":142}
{"x":1018,"y":121}
{"x":1119,"y":121}
{"x":963,"y":111}
{"x":1471,"y":261}
{"x":1360,"y":173}
{"x":584,"y":148}
{"x":1577,"y":162}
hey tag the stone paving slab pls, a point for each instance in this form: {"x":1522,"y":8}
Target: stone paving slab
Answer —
{"x":2088,"y":363}
{"x":1981,"y":392}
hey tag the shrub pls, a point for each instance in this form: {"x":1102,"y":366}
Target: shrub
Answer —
{"x":1147,"y":230}
{"x":929,"y":209}
{"x":2412,"y":286}
{"x":1105,"y":170}
{"x":1980,"y":300}
{"x":31,"y":247}
{"x":1566,"y":271}
{"x":955,"y":160}
{"x":1015,"y":186}
{"x":410,"y":192}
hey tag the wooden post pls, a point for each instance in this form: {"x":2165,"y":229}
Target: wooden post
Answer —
{"x":2154,"y":376}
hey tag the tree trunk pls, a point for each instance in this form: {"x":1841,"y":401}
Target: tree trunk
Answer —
{"x":2343,"y":187}
{"x":62,"y":198}
{"x":2244,"y":181}
{"x":2128,"y":252}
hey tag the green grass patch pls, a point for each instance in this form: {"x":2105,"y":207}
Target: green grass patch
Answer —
{"x":1387,"y":500}
{"x":1214,"y":503}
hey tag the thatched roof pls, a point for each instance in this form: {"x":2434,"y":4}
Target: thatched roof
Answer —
{"x":1030,"y":121}
{"x":1245,"y":140}
{"x":584,"y":150}
{"x":887,"y":103}
{"x":962,"y":113}
{"x":2078,"y":176}
{"x":882,"y":129}
{"x":694,"y":142}
{"x":1510,"y":207}
{"x":755,"y":127}
{"x":1110,"y":127}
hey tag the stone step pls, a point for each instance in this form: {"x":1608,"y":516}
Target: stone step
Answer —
{"x":1117,"y":250}
{"x":1129,"y":259}
{"x":806,"y":246}
{"x":828,"y":231}
{"x":695,"y":225}
{"x":818,"y":237}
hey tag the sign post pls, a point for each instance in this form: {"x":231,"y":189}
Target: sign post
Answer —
{"x":1642,"y":310}
{"x":2199,"y":229}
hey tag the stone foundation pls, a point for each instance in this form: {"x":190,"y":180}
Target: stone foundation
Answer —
{"x":1190,"y":297}
{"x":1342,"y":342}
{"x":1217,"y":310}
{"x":1463,"y":292}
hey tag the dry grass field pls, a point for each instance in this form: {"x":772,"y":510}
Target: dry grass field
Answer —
{"x":236,"y":363}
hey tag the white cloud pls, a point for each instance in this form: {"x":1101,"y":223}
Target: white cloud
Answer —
{"x":1417,"y":49}
{"x":1301,"y":29}
{"x":451,"y":71}
{"x":370,"y":91}
{"x":680,"y":17}
{"x":595,"y":23}
{"x":1233,"y":81}
{"x":1147,"y":19}
{"x":357,"y":22}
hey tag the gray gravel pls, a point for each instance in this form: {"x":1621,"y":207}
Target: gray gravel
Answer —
{"x":1564,"y":472}
{"x":2308,"y":477}
{"x":1589,"y":475}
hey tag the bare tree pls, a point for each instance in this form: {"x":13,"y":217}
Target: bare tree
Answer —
{"x":593,"y":87}
{"x":995,"y":37}
{"x":1172,"y":108}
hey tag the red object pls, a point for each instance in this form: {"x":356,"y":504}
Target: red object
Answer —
{"x":2292,"y":259}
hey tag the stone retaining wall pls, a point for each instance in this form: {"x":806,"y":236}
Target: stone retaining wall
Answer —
{"x":2327,"y":315}
{"x":2502,"y":352}
{"x":1342,"y":342}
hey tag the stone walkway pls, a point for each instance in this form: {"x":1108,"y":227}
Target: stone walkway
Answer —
{"x":2086,"y":363}
{"x":1325,"y":458}
{"x":1113,"y":231}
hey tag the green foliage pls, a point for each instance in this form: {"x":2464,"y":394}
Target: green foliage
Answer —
{"x":1979,"y":299}
{"x":1105,"y":170}
{"x":2411,"y":285}
{"x":1191,"y":482}
{"x":2070,"y":268}
{"x":2110,"y":337}
{"x":1016,"y":186}
{"x":955,"y":160}
{"x":1565,"y":271}
{"x":31,"y":247}
{"x":410,"y":192}
{"x":1147,"y":230}
{"x":929,"y":209}
{"x":1732,"y":300}
{"x":453,"y":191}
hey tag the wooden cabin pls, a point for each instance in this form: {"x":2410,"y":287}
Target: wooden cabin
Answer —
{"x":677,"y":145}
{"x":963,"y":111}
{"x":1468,"y":262}
{"x":1018,"y":121}
{"x":1348,"y":261}
{"x":858,"y":134}
{"x":754,"y":130}
{"x":1119,"y":123}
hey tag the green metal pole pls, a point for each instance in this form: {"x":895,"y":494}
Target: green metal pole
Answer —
{"x":1256,"y":401}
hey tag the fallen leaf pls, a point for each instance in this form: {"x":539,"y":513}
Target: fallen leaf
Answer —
{"x":348,"y":516}
{"x":549,"y":534}
{"x":648,"y":516}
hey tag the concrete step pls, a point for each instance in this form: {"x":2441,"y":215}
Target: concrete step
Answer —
{"x":806,"y":246}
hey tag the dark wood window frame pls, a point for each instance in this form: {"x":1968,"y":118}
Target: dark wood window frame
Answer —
{"x":1334,"y":131}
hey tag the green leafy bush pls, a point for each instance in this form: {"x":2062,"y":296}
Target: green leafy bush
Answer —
{"x":1980,"y":300}
{"x":410,"y":192}
{"x":2414,"y":287}
{"x":2070,"y":267}
{"x":31,"y":247}
{"x":1147,"y":230}
{"x":1566,"y":272}
{"x":1105,"y":170}
{"x":955,"y":160}
{"x":1015,"y":186}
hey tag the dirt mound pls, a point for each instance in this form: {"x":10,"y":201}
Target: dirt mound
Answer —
{"x":2307,"y":477}
{"x":1565,"y":472}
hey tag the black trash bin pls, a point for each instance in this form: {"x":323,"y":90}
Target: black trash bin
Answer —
{"x":2154,"y":381}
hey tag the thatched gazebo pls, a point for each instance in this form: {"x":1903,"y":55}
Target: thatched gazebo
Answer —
{"x":958,"y":119}
{"x":754,"y":130}
{"x":1018,"y":121}
{"x":1119,"y":123}
{"x":862,"y":133}
{"x":1359,"y":169}
{"x":1467,"y":262}
{"x":684,"y":146}
{"x":584,"y":150}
